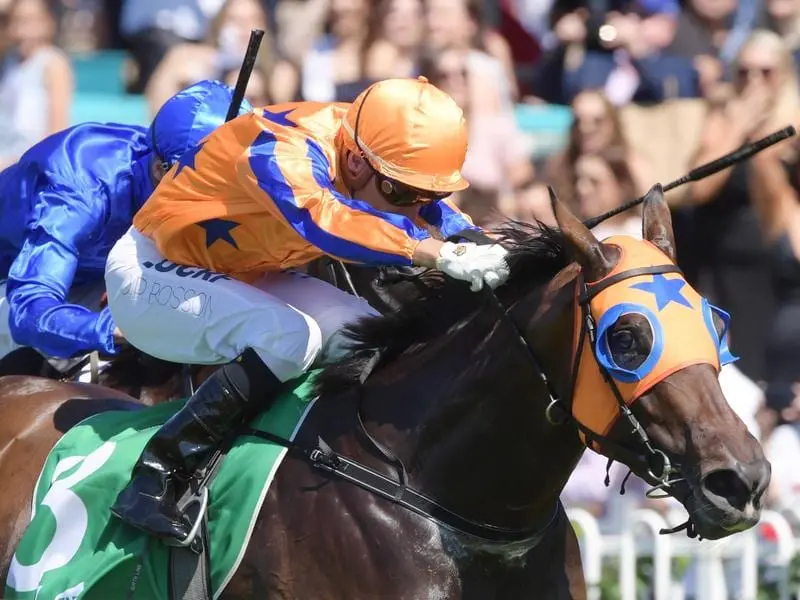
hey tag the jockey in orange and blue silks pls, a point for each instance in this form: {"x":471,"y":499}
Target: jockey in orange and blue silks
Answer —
{"x":266,"y":181}
{"x":205,"y":275}
{"x":64,"y":205}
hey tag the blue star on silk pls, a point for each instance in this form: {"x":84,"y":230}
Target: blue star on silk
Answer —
{"x":665,"y":290}
{"x":280,"y":117}
{"x":187,"y":159}
{"x":219,"y":229}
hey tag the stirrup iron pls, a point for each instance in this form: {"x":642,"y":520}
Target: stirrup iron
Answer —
{"x":200,"y":498}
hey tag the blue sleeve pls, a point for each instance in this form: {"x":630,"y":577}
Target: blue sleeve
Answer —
{"x":446,"y":219}
{"x":41,"y":276}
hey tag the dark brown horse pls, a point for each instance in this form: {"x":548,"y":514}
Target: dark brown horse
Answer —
{"x":458,"y":401}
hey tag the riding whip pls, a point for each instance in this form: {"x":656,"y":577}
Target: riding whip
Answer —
{"x":705,"y":170}
{"x":244,"y":72}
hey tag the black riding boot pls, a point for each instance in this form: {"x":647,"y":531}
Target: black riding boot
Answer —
{"x":230,"y":397}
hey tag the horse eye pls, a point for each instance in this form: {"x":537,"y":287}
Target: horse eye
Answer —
{"x":622,"y":341}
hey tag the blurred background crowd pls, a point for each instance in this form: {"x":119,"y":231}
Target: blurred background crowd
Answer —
{"x":601,"y":98}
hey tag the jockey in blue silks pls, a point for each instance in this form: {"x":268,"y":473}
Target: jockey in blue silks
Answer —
{"x":64,"y":205}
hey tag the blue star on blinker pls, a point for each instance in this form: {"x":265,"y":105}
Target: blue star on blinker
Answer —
{"x":280,"y":117}
{"x":665,"y":290}
{"x":187,"y":159}
{"x":219,"y":229}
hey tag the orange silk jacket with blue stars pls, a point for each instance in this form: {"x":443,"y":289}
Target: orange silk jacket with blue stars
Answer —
{"x":261,"y":194}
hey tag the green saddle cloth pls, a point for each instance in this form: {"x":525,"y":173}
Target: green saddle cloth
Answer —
{"x":73,"y":548}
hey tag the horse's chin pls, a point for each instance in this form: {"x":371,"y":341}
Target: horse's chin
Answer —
{"x":714,"y":518}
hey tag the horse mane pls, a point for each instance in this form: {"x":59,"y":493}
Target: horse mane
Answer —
{"x":537,"y":252}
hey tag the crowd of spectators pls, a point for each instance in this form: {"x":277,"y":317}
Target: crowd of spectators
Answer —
{"x":655,"y":87}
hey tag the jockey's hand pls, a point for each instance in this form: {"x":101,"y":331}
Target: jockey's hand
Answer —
{"x":473,"y":263}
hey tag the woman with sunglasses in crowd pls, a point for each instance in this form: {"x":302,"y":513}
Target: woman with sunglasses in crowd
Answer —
{"x":774,"y":187}
{"x":724,"y":248}
{"x":204,"y":275}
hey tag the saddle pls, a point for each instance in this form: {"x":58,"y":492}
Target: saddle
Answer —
{"x":381,"y":287}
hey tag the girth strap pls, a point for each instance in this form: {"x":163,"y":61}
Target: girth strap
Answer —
{"x":189,"y":565}
{"x":189,"y":570}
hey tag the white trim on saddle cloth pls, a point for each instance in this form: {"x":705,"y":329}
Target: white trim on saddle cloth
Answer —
{"x":260,"y":503}
{"x":107,"y":448}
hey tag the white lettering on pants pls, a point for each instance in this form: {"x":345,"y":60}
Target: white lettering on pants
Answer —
{"x":177,"y":297}
{"x":189,"y":314}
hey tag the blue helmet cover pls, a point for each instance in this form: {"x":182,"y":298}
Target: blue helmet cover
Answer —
{"x":189,"y":116}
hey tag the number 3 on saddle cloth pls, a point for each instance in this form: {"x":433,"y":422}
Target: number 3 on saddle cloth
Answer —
{"x":73,"y":546}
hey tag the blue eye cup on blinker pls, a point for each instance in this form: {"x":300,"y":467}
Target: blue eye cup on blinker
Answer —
{"x":603,"y":351}
{"x":709,"y":310}
{"x":607,"y":321}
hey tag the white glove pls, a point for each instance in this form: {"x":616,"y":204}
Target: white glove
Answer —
{"x":475,"y":264}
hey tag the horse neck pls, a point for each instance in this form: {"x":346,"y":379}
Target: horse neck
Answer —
{"x":467,"y":417}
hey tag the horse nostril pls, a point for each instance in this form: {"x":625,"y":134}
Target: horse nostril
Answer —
{"x":728,"y":484}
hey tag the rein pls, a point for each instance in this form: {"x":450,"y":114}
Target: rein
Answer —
{"x":323,"y":458}
{"x":558,"y":412}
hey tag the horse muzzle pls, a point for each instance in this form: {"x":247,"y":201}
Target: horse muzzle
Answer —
{"x":729,"y":500}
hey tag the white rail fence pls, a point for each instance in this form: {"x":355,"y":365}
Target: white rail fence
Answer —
{"x":719,"y":570}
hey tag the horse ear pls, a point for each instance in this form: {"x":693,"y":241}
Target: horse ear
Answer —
{"x":657,"y":222}
{"x":596,"y":259}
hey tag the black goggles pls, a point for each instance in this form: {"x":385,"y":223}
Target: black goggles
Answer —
{"x":395,"y":192}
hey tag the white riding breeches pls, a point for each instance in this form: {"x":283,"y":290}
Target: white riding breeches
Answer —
{"x":193,"y":315}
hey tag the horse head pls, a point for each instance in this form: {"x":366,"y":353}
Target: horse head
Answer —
{"x":644,"y":386}
{"x":599,"y":344}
